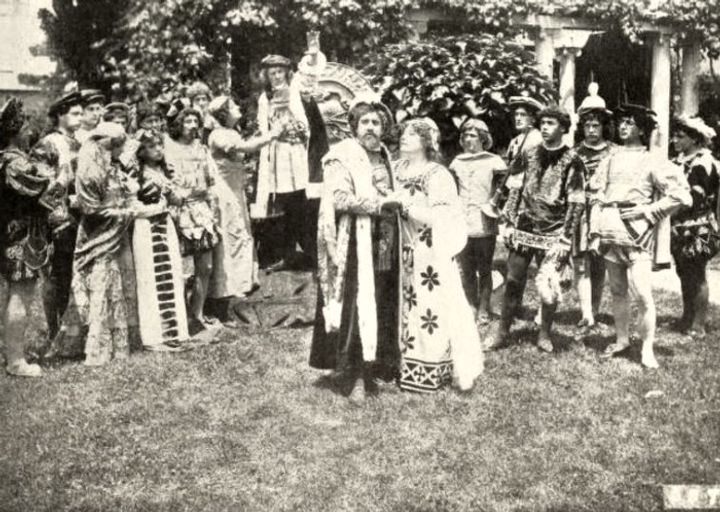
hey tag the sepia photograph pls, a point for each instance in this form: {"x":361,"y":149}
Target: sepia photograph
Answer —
{"x":359,"y":255}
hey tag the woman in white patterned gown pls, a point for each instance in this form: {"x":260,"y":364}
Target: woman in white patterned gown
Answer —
{"x":439,"y":341}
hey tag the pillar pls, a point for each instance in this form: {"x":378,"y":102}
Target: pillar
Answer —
{"x":567,"y":88}
{"x":660,"y":91}
{"x":689,"y":91}
{"x":545,"y":52}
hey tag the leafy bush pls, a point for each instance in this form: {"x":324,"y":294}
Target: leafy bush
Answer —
{"x":452,"y":77}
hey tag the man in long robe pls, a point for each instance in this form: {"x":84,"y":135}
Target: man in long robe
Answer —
{"x":356,"y":330}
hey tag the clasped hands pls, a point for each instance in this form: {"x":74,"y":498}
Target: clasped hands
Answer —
{"x":391,"y":203}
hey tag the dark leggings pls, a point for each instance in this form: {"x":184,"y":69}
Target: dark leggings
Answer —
{"x":57,"y":289}
{"x":693,"y":280}
{"x":476,"y":271}
{"x":299,"y":223}
{"x":518,"y":263}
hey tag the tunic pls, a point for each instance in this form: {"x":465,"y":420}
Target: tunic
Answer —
{"x":554,"y":181}
{"x":476,"y":173}
{"x":591,"y":157}
{"x":629,"y":177}
{"x":193,"y":174}
{"x":61,"y":151}
{"x":695,"y":230}
{"x":25,"y":239}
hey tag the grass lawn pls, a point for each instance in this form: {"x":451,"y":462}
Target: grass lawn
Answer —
{"x":246,"y":425}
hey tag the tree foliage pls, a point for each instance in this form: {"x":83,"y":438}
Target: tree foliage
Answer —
{"x":698,"y":19}
{"x":189,"y":39}
{"x":80,"y":37}
{"x":132,"y":45}
{"x":452,"y":77}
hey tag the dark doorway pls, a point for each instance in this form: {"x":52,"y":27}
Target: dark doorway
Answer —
{"x":621,"y":69}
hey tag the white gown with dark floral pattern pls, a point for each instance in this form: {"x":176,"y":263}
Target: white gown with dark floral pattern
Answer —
{"x":439,"y":340}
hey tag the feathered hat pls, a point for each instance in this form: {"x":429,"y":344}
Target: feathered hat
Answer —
{"x":696,"y":126}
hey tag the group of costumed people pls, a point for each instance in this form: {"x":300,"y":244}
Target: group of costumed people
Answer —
{"x":403,"y":245}
{"x":406,"y":246}
{"x":104,"y":215}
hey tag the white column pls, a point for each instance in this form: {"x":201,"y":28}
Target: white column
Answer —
{"x":567,"y":88}
{"x":545,"y":52}
{"x":660,"y":91}
{"x":689,"y":91}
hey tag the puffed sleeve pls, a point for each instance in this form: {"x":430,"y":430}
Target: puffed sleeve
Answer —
{"x":338,"y":179}
{"x":21,"y":175}
{"x":670,"y":181}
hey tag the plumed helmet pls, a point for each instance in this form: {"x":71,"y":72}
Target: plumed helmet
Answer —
{"x":593,"y":102}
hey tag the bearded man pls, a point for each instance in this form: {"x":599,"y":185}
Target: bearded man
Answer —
{"x":356,"y":319}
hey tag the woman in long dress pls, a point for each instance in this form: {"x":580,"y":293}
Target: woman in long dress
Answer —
{"x":235,"y":265}
{"x":439,"y":341}
{"x":102,"y":311}
{"x":156,"y":252}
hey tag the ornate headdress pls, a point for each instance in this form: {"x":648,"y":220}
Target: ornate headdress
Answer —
{"x":593,"y":102}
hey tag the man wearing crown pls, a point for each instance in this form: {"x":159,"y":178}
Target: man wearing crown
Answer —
{"x":589,"y":268}
{"x":631,"y":193}
{"x":25,"y":241}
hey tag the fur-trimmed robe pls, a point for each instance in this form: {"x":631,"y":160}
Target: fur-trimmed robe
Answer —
{"x":337,"y":228}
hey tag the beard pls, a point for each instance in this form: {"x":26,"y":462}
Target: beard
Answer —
{"x":370,"y":140}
